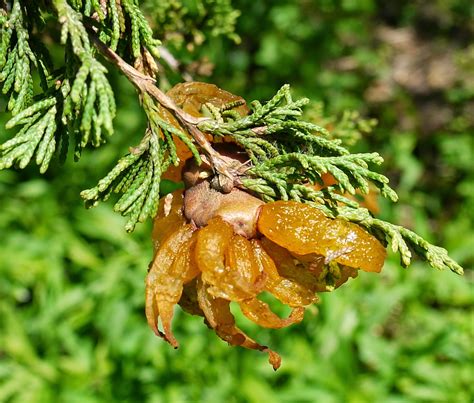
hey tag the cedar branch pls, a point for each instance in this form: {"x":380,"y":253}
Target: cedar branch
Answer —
{"x":147,"y":84}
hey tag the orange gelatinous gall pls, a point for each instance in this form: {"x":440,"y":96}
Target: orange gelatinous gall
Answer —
{"x":240,"y":260}
{"x":191,"y":96}
{"x":188,"y":301}
{"x":290,"y":268}
{"x":260,"y":313}
{"x":286,"y":290}
{"x":218,"y":315}
{"x":346,"y":273}
{"x":320,"y":271}
{"x":162,"y":288}
{"x":212,"y":243}
{"x":303,"y":229}
{"x":169,"y":285}
{"x":188,"y":267}
{"x":312,"y":262}
{"x":240,"y":209}
{"x":168,"y":219}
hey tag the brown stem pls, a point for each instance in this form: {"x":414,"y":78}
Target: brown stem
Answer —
{"x":143,"y":82}
{"x":146,"y":84}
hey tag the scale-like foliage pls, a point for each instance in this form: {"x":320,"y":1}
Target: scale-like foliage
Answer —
{"x":39,"y":123}
{"x":18,"y":54}
{"x":137,"y":177}
{"x":289,"y":156}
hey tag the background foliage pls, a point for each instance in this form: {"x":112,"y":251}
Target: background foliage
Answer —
{"x":72,"y":326}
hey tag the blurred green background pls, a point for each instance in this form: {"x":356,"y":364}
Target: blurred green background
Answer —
{"x":72,"y":326}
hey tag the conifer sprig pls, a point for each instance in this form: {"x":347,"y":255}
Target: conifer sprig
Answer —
{"x":17,"y":58}
{"x":122,"y":26}
{"x":89,"y":104}
{"x":77,"y":101}
{"x":402,"y":240}
{"x":141,"y":33}
{"x":89,"y":107}
{"x":288,"y":156}
{"x":286,"y":151}
{"x":137,"y":175}
{"x":37,"y":135}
